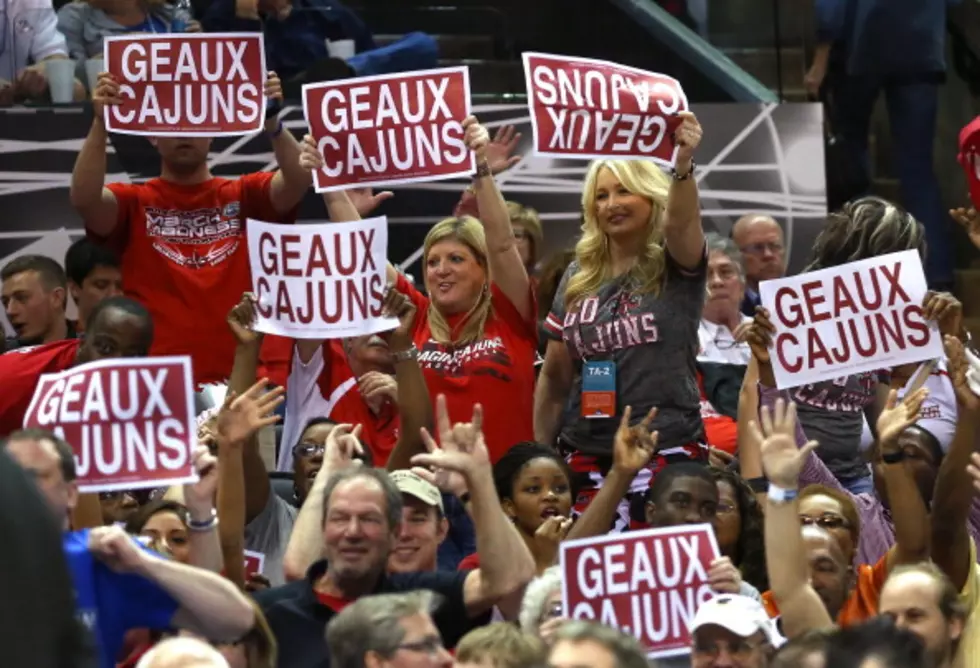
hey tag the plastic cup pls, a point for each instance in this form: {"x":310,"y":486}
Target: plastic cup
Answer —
{"x":93,"y":67}
{"x":61,"y":79}
{"x":341,"y":48}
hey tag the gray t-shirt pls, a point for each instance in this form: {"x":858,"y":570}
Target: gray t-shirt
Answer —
{"x":832,"y":413}
{"x":653,"y":340}
{"x":269,"y":532}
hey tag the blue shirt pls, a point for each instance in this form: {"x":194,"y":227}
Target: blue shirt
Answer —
{"x":109,"y":603}
{"x":891,"y":38}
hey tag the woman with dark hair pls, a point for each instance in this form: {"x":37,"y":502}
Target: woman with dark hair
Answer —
{"x":739,"y":527}
{"x":535,"y":488}
{"x":165,"y":524}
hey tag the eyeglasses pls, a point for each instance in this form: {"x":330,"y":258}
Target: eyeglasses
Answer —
{"x":308,"y":449}
{"x":739,"y":650}
{"x":726,"y":343}
{"x":760,"y":248}
{"x":726,"y":508}
{"x":431,"y":645}
{"x":724,"y":274}
{"x":826,"y":521}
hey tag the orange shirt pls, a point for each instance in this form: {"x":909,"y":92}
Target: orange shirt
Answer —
{"x":185,"y":257}
{"x":862,"y":604}
{"x":497,"y":371}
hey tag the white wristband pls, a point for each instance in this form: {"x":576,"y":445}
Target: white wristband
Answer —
{"x":781,"y":495}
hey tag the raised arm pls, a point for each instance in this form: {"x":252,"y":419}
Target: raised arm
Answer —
{"x":292,"y":181}
{"x":633,"y":448}
{"x":239,"y":420}
{"x":506,"y":268}
{"x":789,"y":578}
{"x":205,"y":544}
{"x":414,"y":404}
{"x":953,"y":495}
{"x":908,"y":508}
{"x":209,"y":605}
{"x":683,"y":234}
{"x":254,"y":485}
{"x":506,"y":565}
{"x":306,"y":541}
{"x":88,"y":195}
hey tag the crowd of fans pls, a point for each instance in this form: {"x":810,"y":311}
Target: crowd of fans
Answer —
{"x":425,"y":478}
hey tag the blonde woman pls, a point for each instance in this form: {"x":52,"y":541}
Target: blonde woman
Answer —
{"x":626,"y":315}
{"x":475,"y":331}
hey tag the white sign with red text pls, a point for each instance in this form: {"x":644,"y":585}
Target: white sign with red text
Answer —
{"x":390,"y":129}
{"x":131,"y":422}
{"x":861,"y":316}
{"x":189,"y":84}
{"x":584,"y":108}
{"x":646,"y":583}
{"x":320,"y":281}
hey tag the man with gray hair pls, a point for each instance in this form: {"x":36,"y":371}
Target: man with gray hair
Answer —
{"x":723,"y":327}
{"x":760,"y":238}
{"x":579,"y":644}
{"x":393,"y":630}
{"x":360,"y":524}
{"x":182,"y":653}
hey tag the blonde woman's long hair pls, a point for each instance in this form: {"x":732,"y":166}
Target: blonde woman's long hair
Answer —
{"x":592,"y":250}
{"x":469,"y":232}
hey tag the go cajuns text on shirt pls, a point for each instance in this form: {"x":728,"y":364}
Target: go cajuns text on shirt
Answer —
{"x":619,"y":327}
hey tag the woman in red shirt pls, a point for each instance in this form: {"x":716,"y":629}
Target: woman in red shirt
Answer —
{"x":476,"y":330}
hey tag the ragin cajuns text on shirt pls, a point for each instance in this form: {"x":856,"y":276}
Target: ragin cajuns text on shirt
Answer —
{"x":449,"y":361}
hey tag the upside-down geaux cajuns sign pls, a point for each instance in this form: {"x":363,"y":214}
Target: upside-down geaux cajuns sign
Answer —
{"x":584,"y":108}
{"x":646,"y":583}
{"x":860,"y":316}
{"x":384,"y":130}
{"x":129,"y":421}
{"x":207,"y":84}
{"x":320,"y":281}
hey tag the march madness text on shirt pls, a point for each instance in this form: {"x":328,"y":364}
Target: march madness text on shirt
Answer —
{"x":174,"y":228}
{"x":448,"y":362}
{"x":618,"y":326}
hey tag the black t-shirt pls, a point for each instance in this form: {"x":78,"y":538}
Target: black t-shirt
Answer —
{"x":299,"y":620}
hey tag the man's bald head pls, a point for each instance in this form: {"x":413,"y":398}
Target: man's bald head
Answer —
{"x":760,"y":238}
{"x":182,"y":653}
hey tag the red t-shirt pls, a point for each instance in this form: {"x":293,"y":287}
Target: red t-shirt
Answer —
{"x":497,"y":371}
{"x":336,"y":381}
{"x":19,"y":372}
{"x":185,"y":257}
{"x":469,"y":563}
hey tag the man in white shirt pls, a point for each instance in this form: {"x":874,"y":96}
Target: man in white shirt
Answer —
{"x":723,"y":327}
{"x":28,"y":37}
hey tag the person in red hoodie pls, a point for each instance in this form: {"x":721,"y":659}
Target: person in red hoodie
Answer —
{"x":118,"y":327}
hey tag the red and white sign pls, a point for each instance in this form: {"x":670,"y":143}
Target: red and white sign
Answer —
{"x":861,"y":316}
{"x":254,"y":563}
{"x":646,"y":583}
{"x":204,"y":84}
{"x":320,"y":281}
{"x":584,"y":108}
{"x":129,"y":421}
{"x":390,"y":129}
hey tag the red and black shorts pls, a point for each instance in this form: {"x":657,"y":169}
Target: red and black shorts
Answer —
{"x":590,"y":472}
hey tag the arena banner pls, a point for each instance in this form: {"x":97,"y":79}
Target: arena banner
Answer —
{"x":390,"y":129}
{"x":202,"y":85}
{"x":131,"y":422}
{"x":584,"y":108}
{"x":647,"y":583}
{"x":858,"y":317}
{"x":320,"y":281}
